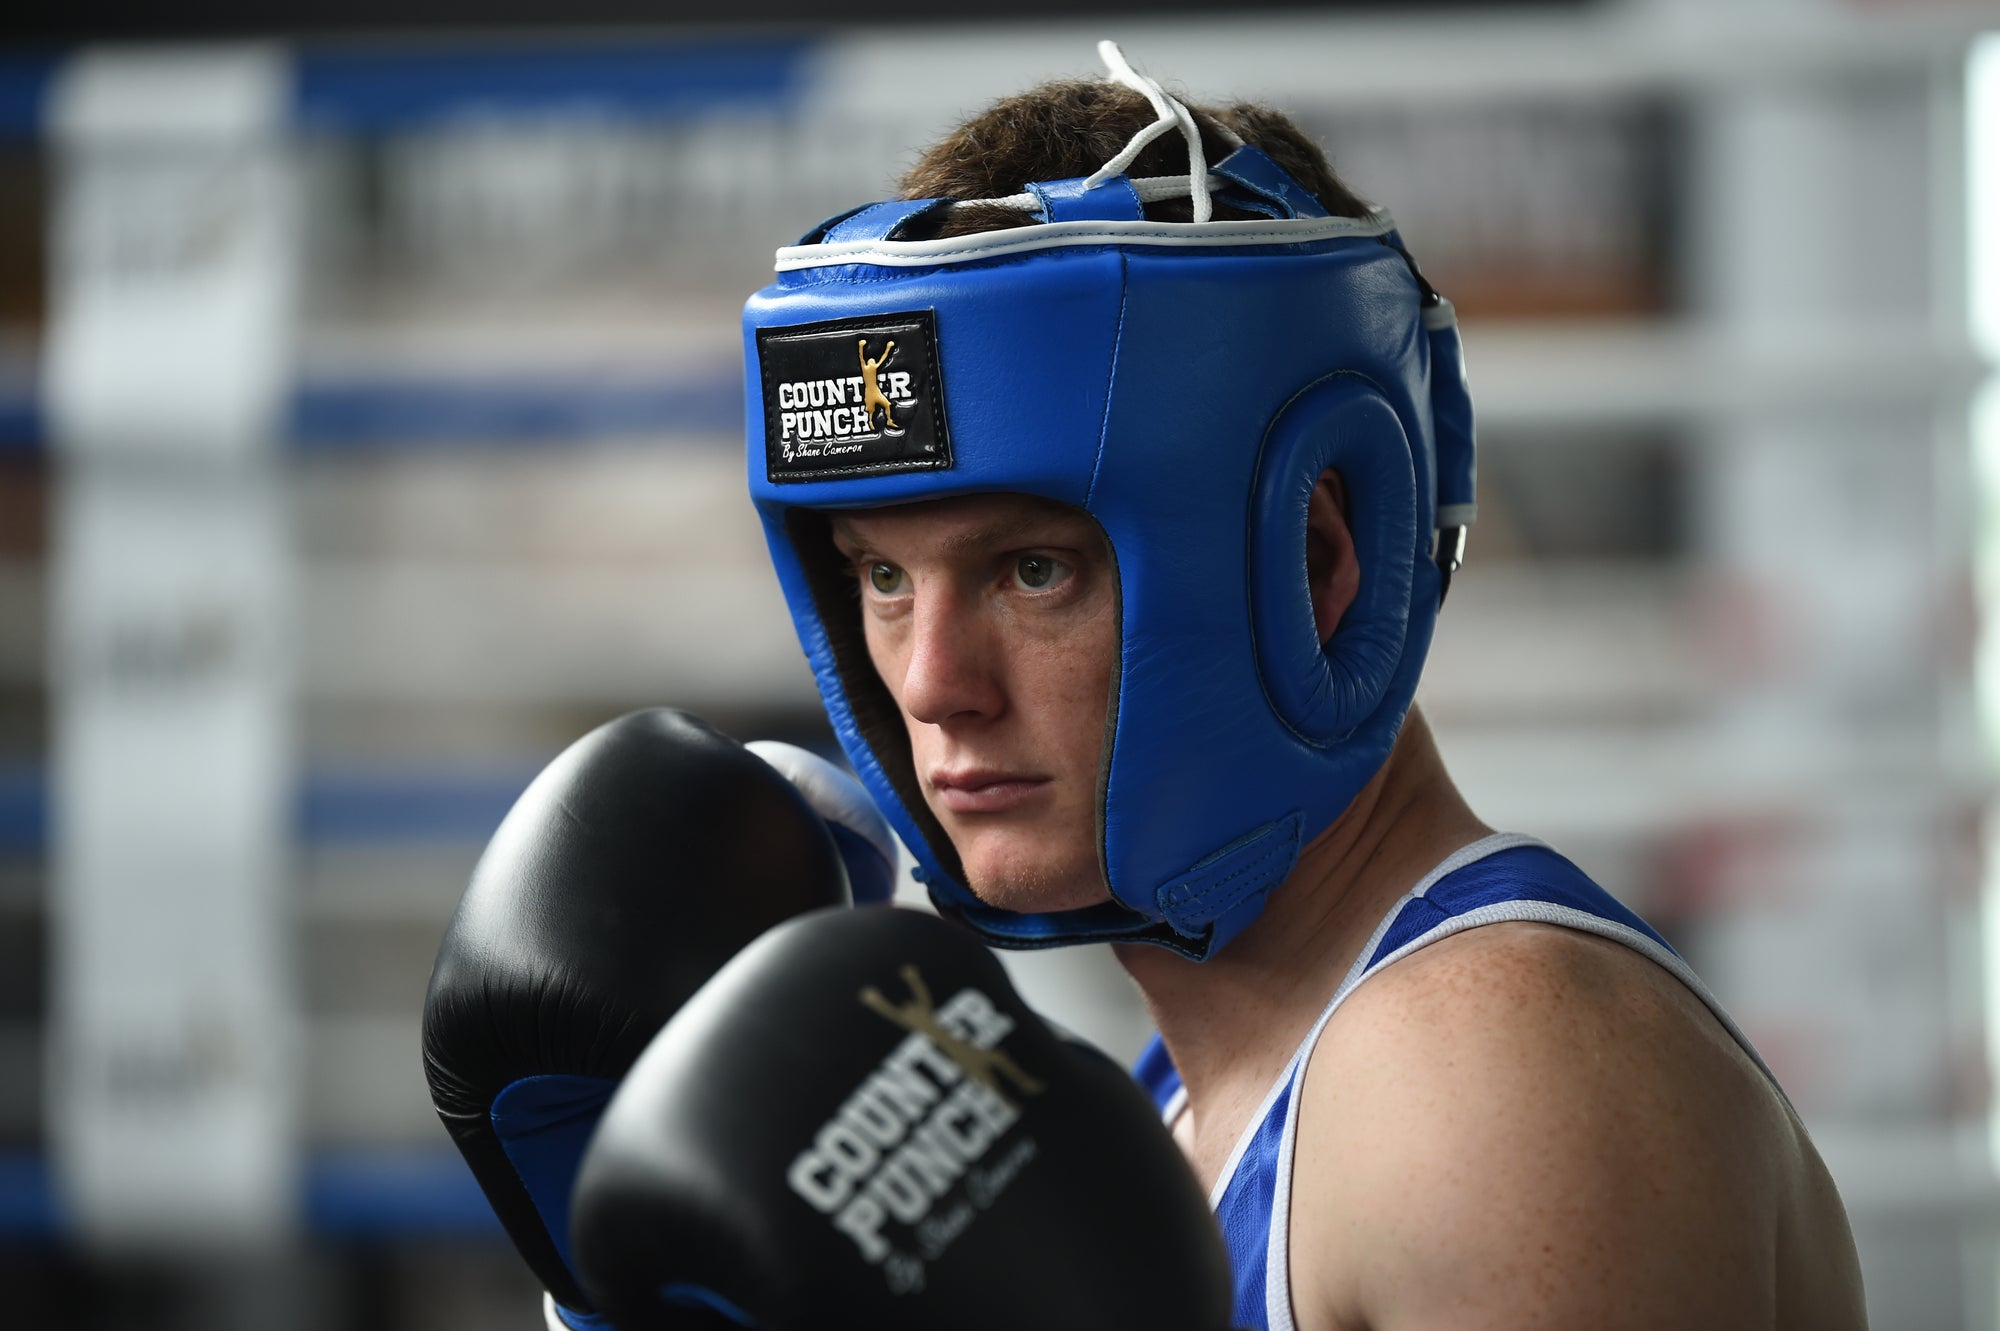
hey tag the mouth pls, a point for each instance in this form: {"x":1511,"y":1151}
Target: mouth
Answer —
{"x":983,"y":790}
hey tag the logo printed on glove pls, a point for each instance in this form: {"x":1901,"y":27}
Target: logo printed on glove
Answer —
{"x":852,"y":397}
{"x":923,"y":1121}
{"x":980,"y":1062}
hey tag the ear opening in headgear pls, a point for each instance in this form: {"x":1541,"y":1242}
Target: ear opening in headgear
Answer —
{"x":1323,"y":691}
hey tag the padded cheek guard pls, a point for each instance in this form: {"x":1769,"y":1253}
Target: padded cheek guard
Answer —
{"x":1185,"y":384}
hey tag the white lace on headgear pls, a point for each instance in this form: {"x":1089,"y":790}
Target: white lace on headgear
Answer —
{"x":1173,"y":115}
{"x":1195,"y":185}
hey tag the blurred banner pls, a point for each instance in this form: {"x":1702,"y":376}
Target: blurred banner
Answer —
{"x":174,"y":1028}
{"x":101,"y":20}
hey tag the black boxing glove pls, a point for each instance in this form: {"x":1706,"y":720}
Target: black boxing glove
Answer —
{"x":637,"y":863}
{"x":858,"y":1123}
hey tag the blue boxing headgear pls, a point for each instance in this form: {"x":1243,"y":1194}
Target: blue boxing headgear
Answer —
{"x":1184,"y":383}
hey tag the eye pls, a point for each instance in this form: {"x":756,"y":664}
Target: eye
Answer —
{"x":885,"y":578}
{"x":1040,"y":572}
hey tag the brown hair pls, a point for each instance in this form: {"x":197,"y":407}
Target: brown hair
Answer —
{"x":1071,"y":127}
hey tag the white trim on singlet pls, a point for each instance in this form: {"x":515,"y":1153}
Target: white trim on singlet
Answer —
{"x":1458,"y":859}
{"x":1277,"y":1254}
{"x":1277,"y":1271}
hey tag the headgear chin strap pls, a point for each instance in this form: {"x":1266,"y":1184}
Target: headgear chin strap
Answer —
{"x":1185,"y":383}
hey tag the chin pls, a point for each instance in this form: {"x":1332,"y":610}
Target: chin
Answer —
{"x":1030,"y":866}
{"x":1029,"y":888}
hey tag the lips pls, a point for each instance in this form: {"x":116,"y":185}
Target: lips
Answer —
{"x":982,"y":790}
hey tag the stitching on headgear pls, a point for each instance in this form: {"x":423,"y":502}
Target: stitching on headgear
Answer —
{"x":1110,"y":377}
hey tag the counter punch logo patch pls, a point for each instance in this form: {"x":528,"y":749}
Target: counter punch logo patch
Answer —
{"x":852,"y":397}
{"x":915,"y":1152}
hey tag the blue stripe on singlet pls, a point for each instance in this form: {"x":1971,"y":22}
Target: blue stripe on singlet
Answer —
{"x":1518,"y":873}
{"x":1525,"y":873}
{"x":1156,"y":1074}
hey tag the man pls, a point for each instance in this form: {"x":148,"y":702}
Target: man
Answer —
{"x":1121,"y":627}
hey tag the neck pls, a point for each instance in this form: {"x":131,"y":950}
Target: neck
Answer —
{"x":1231,"y":1022}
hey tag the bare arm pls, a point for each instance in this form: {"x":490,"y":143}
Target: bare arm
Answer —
{"x":1526,"y":1127}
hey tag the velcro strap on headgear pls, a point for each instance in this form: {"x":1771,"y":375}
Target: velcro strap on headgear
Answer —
{"x":1110,"y":200}
{"x":1272,"y":189}
{"x":1248,"y":867}
{"x":879,"y":221}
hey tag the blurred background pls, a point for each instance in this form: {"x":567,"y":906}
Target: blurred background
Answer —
{"x":370,"y":419}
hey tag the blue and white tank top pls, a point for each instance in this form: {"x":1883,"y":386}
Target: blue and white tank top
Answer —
{"x":1502,"y":877}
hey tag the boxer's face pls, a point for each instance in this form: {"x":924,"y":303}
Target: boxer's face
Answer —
{"x":993,"y":620}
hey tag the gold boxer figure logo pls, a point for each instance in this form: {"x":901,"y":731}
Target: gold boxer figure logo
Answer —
{"x":871,"y":388}
{"x":920,"y":1017}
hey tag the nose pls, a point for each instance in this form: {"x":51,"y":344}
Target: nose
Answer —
{"x":951,"y":673}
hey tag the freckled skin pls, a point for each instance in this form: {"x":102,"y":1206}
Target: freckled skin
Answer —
{"x":994,"y":673}
{"x":1582,"y":1138}
{"x":1517,"y":1127}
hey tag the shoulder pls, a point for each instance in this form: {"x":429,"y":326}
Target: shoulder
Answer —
{"x":1529,"y":1122}
{"x":1529,"y":983}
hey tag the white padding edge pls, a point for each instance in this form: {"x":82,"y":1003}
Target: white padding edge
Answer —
{"x":833,"y":794}
{"x":1056,"y":235}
